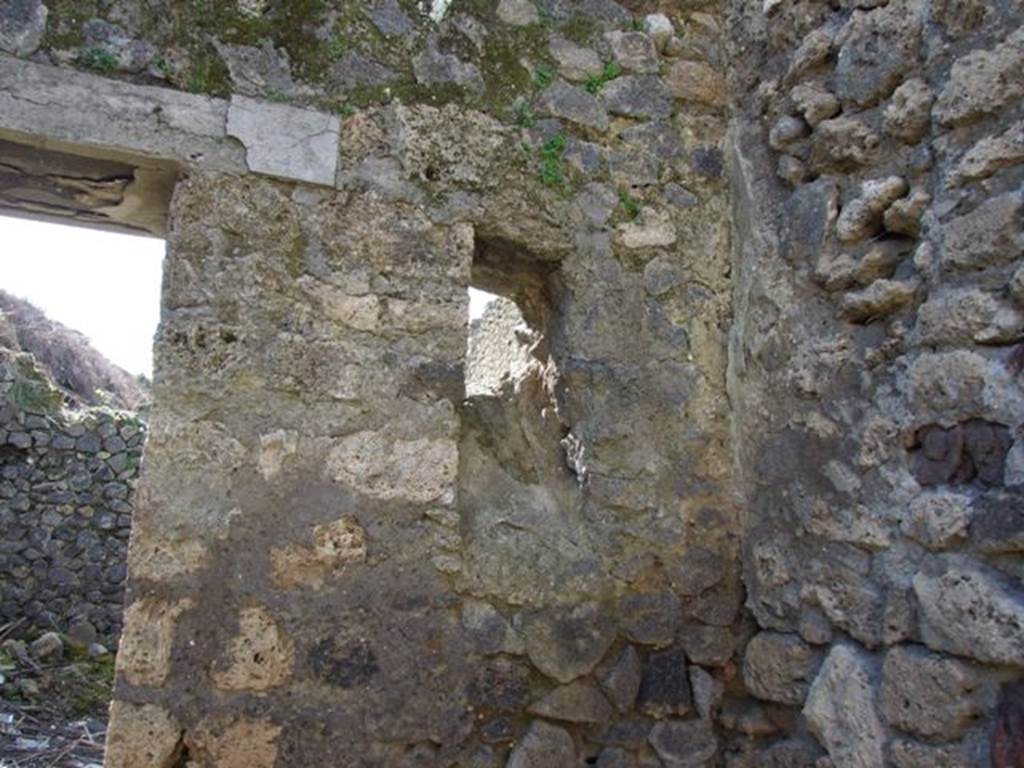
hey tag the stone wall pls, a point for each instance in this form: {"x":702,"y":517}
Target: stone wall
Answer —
{"x":66,"y":485}
{"x":875,"y":374}
{"x":752,"y":498}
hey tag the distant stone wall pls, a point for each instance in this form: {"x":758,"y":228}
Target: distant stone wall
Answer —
{"x":66,"y":486}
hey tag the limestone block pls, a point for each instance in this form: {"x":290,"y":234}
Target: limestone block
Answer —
{"x":876,"y":48}
{"x":938,"y":519}
{"x":285,"y":141}
{"x":862,"y":216}
{"x":968,"y":611}
{"x":908,"y":114}
{"x":780,"y":667}
{"x":650,"y":618}
{"x":982,"y":82}
{"x":518,"y":13}
{"x":145,"y":653}
{"x":841,"y":713}
{"x":260,"y":657}
{"x":543,"y":746}
{"x":567,"y":642}
{"x":644,"y":96}
{"x":621,"y":681}
{"x":990,"y":155}
{"x":574,"y":104}
{"x":575,"y":62}
{"x":489,"y":631}
{"x":684,"y":743}
{"x":697,"y":82}
{"x":660,"y":28}
{"x":880,"y":299}
{"x":634,"y":51}
{"x":417,"y":471}
{"x":336,"y":546}
{"x":141,"y":736}
{"x":577,"y":702}
{"x":990,"y":235}
{"x":665,"y":687}
{"x":814,"y":102}
{"x":22,"y":25}
{"x":931,"y":695}
{"x":967,"y":315}
{"x":113,"y":116}
{"x":223,"y":741}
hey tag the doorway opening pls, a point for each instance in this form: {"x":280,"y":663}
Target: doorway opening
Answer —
{"x":81,"y":254}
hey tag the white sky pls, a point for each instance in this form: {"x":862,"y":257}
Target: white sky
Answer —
{"x":478,"y":301}
{"x":103,"y":284}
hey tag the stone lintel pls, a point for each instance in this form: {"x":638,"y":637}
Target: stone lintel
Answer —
{"x":285,"y":141}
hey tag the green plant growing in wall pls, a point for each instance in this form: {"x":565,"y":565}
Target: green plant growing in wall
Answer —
{"x":595,"y":83}
{"x":552,"y":173}
{"x":629,"y":203}
{"x":542,"y":78}
{"x":98,"y":59}
{"x":524,"y":115}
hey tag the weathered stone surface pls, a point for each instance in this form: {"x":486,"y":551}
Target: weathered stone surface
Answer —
{"x":660,"y":28}
{"x":706,"y":645}
{"x":862,"y":216}
{"x":575,"y":62}
{"x":111,"y":115}
{"x":780,"y":667}
{"x":414,"y":470}
{"x":1007,"y":740}
{"x":665,"y":687}
{"x":389,"y":18}
{"x":903,"y":217}
{"x":518,"y":13}
{"x":997,"y":526}
{"x":929,"y":695}
{"x":982,"y":82}
{"x":22,"y":24}
{"x":842,"y":143}
{"x":258,"y":71}
{"x":577,"y":702}
{"x":684,"y":743}
{"x":489,"y":630}
{"x":881,"y":298}
{"x":573,"y":104}
{"x":261,"y":656}
{"x":814,"y":102}
{"x":543,"y":746}
{"x":433,"y":67}
{"x":990,"y":235}
{"x":697,"y":82}
{"x":145,"y":653}
{"x":644,"y":96}
{"x":651,"y":618}
{"x":876,"y":48}
{"x":968,"y":315}
{"x":967,"y":611}
{"x":990,"y":155}
{"x":908,"y":114}
{"x":141,"y":736}
{"x":281,"y":140}
{"x":565,"y":643}
{"x":634,"y":51}
{"x":840,"y":709}
{"x":938,"y":519}
{"x":621,"y":681}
